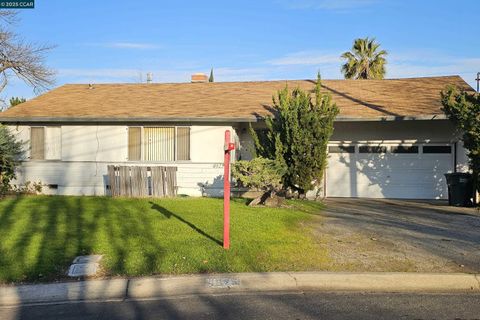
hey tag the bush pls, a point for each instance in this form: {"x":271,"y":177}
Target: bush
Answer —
{"x":29,"y":188}
{"x":11,"y":151}
{"x":463,"y":108}
{"x":261,"y":174}
{"x":298,"y":135}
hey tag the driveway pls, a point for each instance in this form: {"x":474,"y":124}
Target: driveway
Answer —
{"x":400,"y":235}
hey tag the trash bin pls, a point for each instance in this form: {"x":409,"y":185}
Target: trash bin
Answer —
{"x":460,"y":189}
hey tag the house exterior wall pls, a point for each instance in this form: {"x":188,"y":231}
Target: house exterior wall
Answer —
{"x":87,"y":150}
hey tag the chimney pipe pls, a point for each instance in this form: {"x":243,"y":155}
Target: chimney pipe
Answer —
{"x":199,"y":77}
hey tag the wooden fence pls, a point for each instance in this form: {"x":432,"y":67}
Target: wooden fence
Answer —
{"x":136,"y":181}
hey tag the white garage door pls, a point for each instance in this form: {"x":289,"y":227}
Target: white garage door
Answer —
{"x":389,"y":170}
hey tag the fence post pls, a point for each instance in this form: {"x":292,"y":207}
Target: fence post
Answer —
{"x":228,"y":147}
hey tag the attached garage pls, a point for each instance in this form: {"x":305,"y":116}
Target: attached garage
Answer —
{"x":389,"y":170}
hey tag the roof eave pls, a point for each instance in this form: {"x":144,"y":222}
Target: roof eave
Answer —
{"x":393,"y":118}
{"x":203,"y":119}
{"x":124,"y":120}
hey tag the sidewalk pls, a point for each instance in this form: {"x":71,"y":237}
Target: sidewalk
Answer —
{"x":156,"y":287}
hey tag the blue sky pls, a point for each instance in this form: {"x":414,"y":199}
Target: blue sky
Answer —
{"x":120,"y":41}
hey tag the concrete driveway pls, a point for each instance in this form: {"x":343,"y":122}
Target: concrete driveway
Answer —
{"x":400,"y":235}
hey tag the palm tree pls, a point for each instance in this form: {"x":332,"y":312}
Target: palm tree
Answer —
{"x":365,"y":61}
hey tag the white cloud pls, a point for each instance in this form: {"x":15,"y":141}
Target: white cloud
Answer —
{"x":242,"y":74}
{"x":306,"y":58}
{"x":423,"y":63}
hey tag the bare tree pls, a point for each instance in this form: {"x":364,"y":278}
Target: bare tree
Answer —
{"x":22,"y":59}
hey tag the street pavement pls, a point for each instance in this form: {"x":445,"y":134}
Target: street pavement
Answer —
{"x":278,"y":305}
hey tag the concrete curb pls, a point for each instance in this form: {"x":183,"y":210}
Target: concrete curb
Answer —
{"x":155,"y":287}
{"x":65,"y":291}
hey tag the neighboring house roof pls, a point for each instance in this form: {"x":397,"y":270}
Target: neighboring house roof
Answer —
{"x":231,"y":101}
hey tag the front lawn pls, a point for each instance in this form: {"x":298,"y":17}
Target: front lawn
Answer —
{"x":40,"y":236}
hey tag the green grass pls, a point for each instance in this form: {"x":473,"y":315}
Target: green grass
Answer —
{"x":40,"y":236}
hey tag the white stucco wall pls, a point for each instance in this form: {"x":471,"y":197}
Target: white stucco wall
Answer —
{"x":86,"y":150}
{"x":94,"y":143}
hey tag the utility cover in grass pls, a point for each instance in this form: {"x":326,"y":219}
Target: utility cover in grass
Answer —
{"x":84,"y":266}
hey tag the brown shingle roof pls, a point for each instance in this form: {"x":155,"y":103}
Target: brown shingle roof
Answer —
{"x":233,"y":100}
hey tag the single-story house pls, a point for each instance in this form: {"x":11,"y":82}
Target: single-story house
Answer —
{"x":391,"y":137}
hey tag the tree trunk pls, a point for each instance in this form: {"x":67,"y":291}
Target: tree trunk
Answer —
{"x":269,"y":199}
{"x":260,"y":199}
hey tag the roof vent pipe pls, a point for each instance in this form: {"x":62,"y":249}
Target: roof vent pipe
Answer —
{"x":149,"y":77}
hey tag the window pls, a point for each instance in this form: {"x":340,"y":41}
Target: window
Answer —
{"x":437,"y":149}
{"x":166,"y":144}
{"x":372,"y":149}
{"x":37,"y":143}
{"x":134,"y":143}
{"x":159,"y":144}
{"x":341,"y":149}
{"x":183,"y":143}
{"x":45,"y":143}
{"x":405,"y":149}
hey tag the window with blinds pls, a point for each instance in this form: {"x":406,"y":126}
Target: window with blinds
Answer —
{"x":159,"y":144}
{"x":165,"y":144}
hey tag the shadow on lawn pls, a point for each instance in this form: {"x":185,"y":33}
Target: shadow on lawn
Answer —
{"x":168,"y":214}
{"x":40,"y":236}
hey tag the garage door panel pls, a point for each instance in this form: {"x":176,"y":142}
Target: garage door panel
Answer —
{"x":388,"y":175}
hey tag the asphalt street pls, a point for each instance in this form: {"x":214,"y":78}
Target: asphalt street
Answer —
{"x":285,"y":305}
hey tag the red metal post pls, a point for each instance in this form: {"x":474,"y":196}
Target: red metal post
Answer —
{"x":226,"y":190}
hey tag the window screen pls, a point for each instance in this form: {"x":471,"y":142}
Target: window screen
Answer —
{"x":372,"y":149}
{"x":37,"y":143}
{"x":159,"y":144}
{"x":134,"y":143}
{"x":341,"y":149}
{"x":183,"y":143}
{"x":437,"y":149}
{"x":405,"y":149}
